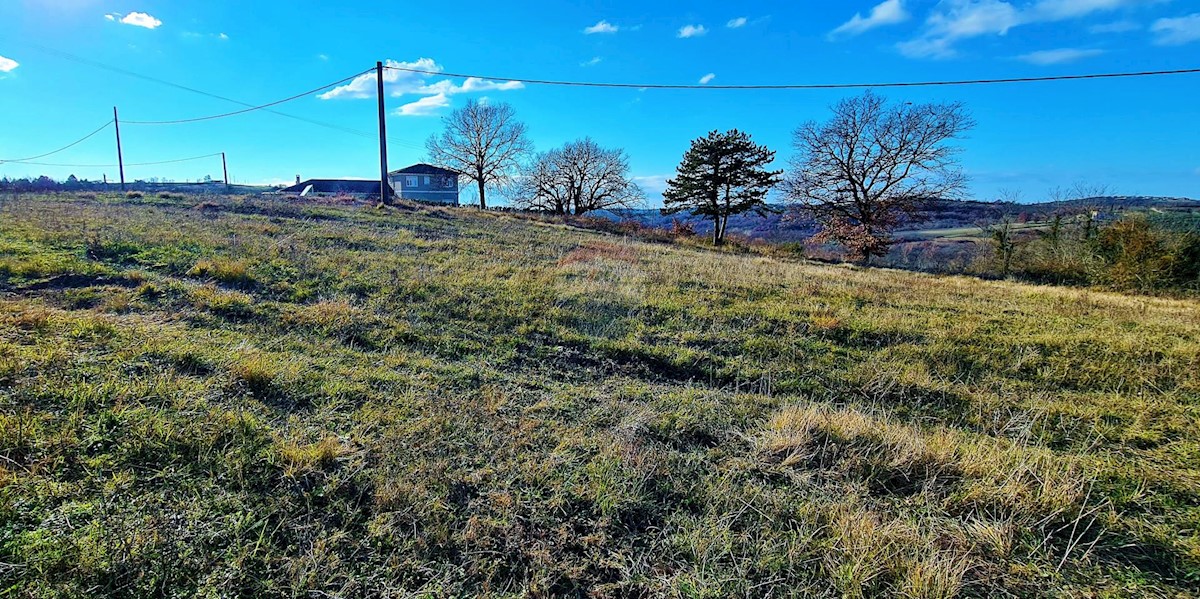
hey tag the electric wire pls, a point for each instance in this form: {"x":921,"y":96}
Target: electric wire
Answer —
{"x":252,"y":108}
{"x":108,"y":67}
{"x":126,"y":164}
{"x":805,"y":86}
{"x":64,"y":148}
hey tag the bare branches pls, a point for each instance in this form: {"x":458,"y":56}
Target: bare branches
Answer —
{"x":873,"y":164}
{"x":484,"y":142}
{"x":578,"y":178}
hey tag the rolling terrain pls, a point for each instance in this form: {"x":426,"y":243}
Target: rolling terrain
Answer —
{"x":243,"y":397}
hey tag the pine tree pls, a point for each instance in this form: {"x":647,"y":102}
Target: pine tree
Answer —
{"x":721,"y":175}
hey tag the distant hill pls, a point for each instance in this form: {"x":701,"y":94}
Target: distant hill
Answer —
{"x":790,"y":224}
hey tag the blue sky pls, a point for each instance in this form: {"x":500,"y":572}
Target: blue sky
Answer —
{"x":1139,"y":136}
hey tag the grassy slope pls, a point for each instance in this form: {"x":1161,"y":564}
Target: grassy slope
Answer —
{"x":253,"y":399}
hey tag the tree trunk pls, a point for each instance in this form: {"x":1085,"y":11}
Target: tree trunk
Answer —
{"x":717,"y":233}
{"x":482,"y":201}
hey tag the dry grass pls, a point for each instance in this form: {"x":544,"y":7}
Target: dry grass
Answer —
{"x":435,"y":402}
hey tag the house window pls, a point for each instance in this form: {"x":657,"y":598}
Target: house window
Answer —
{"x":410,"y":181}
{"x":427,"y":181}
{"x":448,"y":182}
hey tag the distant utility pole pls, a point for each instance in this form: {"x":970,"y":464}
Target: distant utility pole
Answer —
{"x":120,"y":160}
{"x":225,"y":169}
{"x":383,"y":164}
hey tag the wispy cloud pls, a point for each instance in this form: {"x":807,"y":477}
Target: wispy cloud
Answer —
{"x":956,"y":20}
{"x":7,"y":65}
{"x":1059,"y":56}
{"x":888,"y":12}
{"x":193,"y":35}
{"x":692,"y":31}
{"x":1058,"y":10}
{"x":427,"y":106}
{"x":469,"y":85}
{"x":591,"y":63}
{"x":433,"y":94}
{"x":705,"y":80}
{"x":1115,"y":27}
{"x":323,"y":57}
{"x":137,"y":19}
{"x":653,"y":183}
{"x":1177,"y":31}
{"x":735,"y":23}
{"x":601,"y":27}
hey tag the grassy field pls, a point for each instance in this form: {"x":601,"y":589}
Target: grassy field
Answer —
{"x":244,"y":398}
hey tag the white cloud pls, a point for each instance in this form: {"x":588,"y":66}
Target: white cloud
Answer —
{"x":1059,"y":56}
{"x":1058,"y":10}
{"x":433,"y":95}
{"x":888,"y":12}
{"x":652,"y":183}
{"x":1177,"y":31}
{"x":427,"y":106}
{"x":705,"y":80}
{"x":591,"y":63}
{"x":399,"y":82}
{"x":735,"y":23}
{"x":222,"y":37}
{"x":469,"y":85}
{"x":692,"y":31}
{"x":1115,"y":27}
{"x":137,"y":19}
{"x":601,"y":27}
{"x":7,"y":64}
{"x":323,"y":57}
{"x":956,"y":20}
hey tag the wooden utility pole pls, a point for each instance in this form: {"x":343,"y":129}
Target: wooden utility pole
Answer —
{"x":120,"y":160}
{"x":383,"y":163}
{"x":225,"y":169}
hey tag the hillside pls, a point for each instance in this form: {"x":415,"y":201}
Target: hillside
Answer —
{"x":248,"y":398}
{"x":789,"y":225}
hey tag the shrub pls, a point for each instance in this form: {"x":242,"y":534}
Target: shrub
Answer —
{"x":134,"y":195}
{"x":1140,"y":256}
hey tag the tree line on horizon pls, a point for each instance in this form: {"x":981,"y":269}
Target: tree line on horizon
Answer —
{"x":859,"y":174}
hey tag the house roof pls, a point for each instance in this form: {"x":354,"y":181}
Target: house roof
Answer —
{"x":357,"y":186}
{"x":424,"y":169}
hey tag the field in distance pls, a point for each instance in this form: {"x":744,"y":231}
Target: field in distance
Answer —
{"x":241,"y":397}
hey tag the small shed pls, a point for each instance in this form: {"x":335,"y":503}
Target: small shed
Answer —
{"x":426,"y":183}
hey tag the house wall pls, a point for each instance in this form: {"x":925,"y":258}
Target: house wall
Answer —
{"x":437,"y":189}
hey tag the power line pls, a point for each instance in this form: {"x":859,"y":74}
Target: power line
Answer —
{"x":806,"y":86}
{"x":113,"y":165}
{"x":66,"y":147}
{"x":251,"y":109}
{"x":100,"y":65}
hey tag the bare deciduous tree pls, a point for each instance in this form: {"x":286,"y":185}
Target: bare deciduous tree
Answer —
{"x":874,"y":164}
{"x":1082,"y":199}
{"x":484,"y":142}
{"x":576,"y":179}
